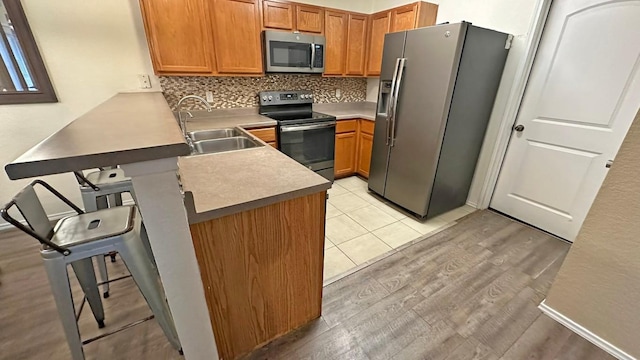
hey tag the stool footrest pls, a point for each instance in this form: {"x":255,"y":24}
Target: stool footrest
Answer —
{"x":88,"y":341}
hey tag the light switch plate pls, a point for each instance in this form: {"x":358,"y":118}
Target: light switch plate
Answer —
{"x":209,"y":95}
{"x":145,"y":81}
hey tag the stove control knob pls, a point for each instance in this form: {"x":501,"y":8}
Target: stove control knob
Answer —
{"x":270,"y":97}
{"x":264,"y":97}
{"x":303,"y":96}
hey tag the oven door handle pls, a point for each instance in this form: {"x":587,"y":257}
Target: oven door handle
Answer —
{"x":307,"y":127}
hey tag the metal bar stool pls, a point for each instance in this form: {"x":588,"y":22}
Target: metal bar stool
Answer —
{"x":100,"y":190}
{"x":75,"y":240}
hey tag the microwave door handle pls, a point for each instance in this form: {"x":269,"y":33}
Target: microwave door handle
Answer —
{"x":391,"y":111}
{"x":395,"y":99}
{"x":313,"y":55}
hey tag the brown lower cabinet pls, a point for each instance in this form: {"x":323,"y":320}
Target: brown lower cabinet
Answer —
{"x":354,"y":142}
{"x":267,"y":135}
{"x":262,"y":271}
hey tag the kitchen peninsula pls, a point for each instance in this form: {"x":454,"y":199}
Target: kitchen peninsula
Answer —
{"x":240,"y":252}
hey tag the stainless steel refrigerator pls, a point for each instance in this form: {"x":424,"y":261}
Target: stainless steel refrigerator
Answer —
{"x":437,"y":88}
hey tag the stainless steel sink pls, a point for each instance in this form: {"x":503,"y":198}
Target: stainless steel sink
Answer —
{"x":214,"y":134}
{"x":227,"y":144}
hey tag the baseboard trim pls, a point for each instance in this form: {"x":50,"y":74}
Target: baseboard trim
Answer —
{"x":584,"y":332}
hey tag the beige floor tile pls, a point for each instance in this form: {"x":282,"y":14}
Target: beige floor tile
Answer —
{"x":396,"y":234}
{"x":327,"y":243}
{"x":376,"y":201}
{"x":332,"y":211}
{"x":371,"y":217}
{"x":352,"y":183}
{"x":337,"y":190}
{"x":342,"y":228}
{"x":364,"y":248}
{"x":456,"y":214}
{"x":347,"y":202}
{"x":336,"y":263}
{"x":424,"y":227}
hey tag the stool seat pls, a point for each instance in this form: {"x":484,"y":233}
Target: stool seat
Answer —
{"x":107,"y":177}
{"x":79,"y":229}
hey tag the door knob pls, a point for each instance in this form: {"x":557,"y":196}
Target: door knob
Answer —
{"x":518,"y":128}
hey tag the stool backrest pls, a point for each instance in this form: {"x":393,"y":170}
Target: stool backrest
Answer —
{"x":29,"y":205}
{"x":32,"y":211}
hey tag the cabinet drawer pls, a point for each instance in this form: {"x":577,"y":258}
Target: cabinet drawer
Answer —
{"x":265,"y":134}
{"x":343,"y":126}
{"x":366,"y":126}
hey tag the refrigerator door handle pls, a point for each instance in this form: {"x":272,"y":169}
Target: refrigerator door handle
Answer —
{"x":392,"y":102}
{"x":395,"y":99}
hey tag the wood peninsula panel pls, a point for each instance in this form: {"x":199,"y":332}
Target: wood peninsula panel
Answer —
{"x":277,"y":15}
{"x":179,"y":36}
{"x":335,"y":31}
{"x":236,"y":34}
{"x":356,"y":44}
{"x":262,"y":271}
{"x":309,"y":18}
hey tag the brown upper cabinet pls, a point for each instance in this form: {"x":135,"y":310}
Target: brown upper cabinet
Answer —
{"x":179,"y":36}
{"x":277,"y":15}
{"x":309,"y":19}
{"x":223,"y":37}
{"x":336,"y":25}
{"x":356,"y":44}
{"x":406,"y":17}
{"x":236,"y":35}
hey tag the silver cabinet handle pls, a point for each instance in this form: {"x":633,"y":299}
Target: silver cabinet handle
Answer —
{"x":307,"y":127}
{"x":395,"y":100}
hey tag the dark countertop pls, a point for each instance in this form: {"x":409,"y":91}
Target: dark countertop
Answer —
{"x":127,"y":128}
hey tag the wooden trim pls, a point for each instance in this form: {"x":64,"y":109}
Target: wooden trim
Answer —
{"x":584,"y":332}
{"x":45,"y":93}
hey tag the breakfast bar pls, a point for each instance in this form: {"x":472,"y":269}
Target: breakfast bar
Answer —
{"x":201,"y":213}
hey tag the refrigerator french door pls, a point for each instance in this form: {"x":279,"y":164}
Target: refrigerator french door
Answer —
{"x":437,"y":87}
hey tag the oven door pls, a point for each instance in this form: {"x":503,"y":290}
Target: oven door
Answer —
{"x":312,"y":145}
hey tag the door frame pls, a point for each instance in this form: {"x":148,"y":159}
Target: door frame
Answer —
{"x":514,"y":101}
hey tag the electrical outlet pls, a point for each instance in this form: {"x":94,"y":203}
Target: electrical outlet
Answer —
{"x":145,"y":81}
{"x":209,"y":96}
{"x":338,"y":93}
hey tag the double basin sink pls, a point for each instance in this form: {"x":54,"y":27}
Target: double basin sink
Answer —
{"x":220,"y":140}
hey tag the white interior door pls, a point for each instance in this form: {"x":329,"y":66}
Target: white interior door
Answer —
{"x":582,"y":94}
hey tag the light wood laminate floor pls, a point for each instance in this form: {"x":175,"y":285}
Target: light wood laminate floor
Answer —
{"x":469,"y":292}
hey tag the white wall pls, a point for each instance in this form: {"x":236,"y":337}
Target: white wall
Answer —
{"x":510,"y":16}
{"x":92,"y":50}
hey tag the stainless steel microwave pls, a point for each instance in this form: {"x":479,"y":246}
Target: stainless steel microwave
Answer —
{"x":293,"y":52}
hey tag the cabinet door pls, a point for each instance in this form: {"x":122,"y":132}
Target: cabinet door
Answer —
{"x":345,"y":155}
{"x":179,"y":35}
{"x":380,"y":25}
{"x":277,"y":15}
{"x":356,"y":45}
{"x":404,"y":17}
{"x":309,"y":19}
{"x":364,"y":154}
{"x":335,"y":25}
{"x":236,"y":34}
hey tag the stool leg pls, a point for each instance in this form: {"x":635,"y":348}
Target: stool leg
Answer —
{"x":118,"y":199}
{"x":59,"y":281}
{"x":104,"y":275}
{"x":87,"y":279}
{"x":134,"y":255}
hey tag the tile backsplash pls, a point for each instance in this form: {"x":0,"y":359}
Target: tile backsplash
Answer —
{"x":238,"y":92}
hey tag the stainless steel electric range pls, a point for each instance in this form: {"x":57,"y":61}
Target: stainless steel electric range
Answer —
{"x":303,"y":134}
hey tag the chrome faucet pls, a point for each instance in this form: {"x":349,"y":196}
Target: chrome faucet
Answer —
{"x":183,"y":121}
